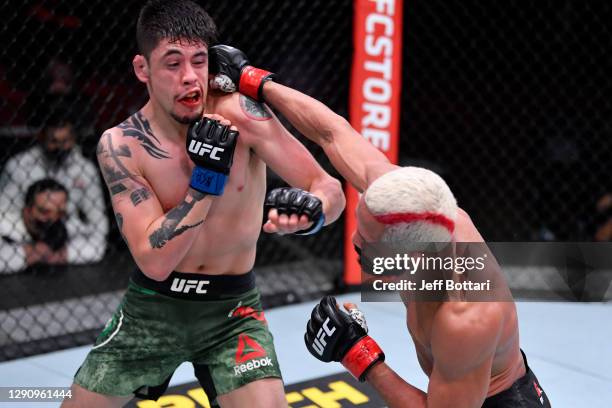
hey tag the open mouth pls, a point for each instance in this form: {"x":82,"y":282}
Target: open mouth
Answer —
{"x":191,"y":99}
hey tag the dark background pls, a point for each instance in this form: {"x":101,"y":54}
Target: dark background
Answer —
{"x":509,"y":100}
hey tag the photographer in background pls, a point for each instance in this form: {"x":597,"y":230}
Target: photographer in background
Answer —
{"x":40,"y":236}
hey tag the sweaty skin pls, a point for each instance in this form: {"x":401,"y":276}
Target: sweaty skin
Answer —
{"x":485,"y":332}
{"x":169,"y":226}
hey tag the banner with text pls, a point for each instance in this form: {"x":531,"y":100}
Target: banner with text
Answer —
{"x":374,"y":95}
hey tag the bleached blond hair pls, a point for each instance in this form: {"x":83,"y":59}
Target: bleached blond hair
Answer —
{"x":414,"y":204}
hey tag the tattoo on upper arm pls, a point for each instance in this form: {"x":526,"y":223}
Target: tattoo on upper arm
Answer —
{"x":117,"y":176}
{"x":117,"y":188}
{"x":123,"y":151}
{"x":140,"y":195}
{"x":119,"y":219}
{"x":138,"y":126}
{"x":170,"y":225}
{"x":253,"y":109}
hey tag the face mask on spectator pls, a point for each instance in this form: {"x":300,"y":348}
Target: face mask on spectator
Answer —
{"x":53,"y":233}
{"x":57,"y":143}
{"x":56,"y":156}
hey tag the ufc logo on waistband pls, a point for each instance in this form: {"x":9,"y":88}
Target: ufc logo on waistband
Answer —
{"x":185,"y":285}
{"x":320,"y":343}
{"x":201,"y":149}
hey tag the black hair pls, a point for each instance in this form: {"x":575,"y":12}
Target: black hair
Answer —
{"x":173,"y":20}
{"x":46,"y":184}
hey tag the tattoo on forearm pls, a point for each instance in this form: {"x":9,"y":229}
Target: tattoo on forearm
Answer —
{"x":254,"y":109}
{"x":170,"y":225}
{"x":138,"y":126}
{"x":196,"y":195}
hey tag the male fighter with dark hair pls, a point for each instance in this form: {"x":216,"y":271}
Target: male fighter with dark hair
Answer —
{"x":469,"y":350}
{"x":192,"y":225}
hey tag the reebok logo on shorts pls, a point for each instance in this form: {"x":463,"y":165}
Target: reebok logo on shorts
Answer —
{"x":243,"y":354}
{"x":245,"y":341}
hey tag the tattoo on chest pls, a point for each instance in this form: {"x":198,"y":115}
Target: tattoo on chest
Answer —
{"x":254,"y":109}
{"x":138,"y":126}
{"x":170,"y":225}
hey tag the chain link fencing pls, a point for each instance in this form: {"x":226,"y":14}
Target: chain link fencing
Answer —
{"x":509,"y":102}
{"x":73,"y":60}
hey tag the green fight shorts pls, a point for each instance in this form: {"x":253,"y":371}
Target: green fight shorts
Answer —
{"x":214,"y":322}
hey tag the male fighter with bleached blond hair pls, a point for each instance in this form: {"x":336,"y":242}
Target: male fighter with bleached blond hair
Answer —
{"x":469,"y":350}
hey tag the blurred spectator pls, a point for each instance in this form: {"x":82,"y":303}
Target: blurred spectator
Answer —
{"x":59,"y":93}
{"x":40,"y":235}
{"x":57,"y":156}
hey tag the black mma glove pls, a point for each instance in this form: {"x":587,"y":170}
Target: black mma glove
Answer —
{"x":210,"y":146}
{"x":296,"y":201}
{"x":233,"y":72}
{"x":332,"y":335}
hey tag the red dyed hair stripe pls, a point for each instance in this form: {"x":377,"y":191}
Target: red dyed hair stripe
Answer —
{"x":433,"y":218}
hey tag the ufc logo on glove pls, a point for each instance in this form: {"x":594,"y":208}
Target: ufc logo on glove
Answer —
{"x":333,"y":335}
{"x":200,"y":149}
{"x":319,"y":342}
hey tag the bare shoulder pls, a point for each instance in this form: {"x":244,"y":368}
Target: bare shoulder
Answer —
{"x":466,"y":333}
{"x":112,"y":143}
{"x":465,"y":230}
{"x":109,"y":141}
{"x":465,"y":318}
{"x":130,"y":139}
{"x":122,"y":148}
{"x":137,"y":130}
{"x":117,"y":158}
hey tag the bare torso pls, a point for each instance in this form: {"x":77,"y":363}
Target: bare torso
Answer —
{"x":507,"y":364}
{"x":226,"y":242}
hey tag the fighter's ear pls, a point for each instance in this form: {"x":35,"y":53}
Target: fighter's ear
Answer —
{"x":141,"y":68}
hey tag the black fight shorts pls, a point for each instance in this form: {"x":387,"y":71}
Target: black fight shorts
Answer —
{"x":526,"y":392}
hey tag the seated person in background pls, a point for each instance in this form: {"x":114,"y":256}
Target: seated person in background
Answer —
{"x":57,"y":156}
{"x":40,"y":235}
